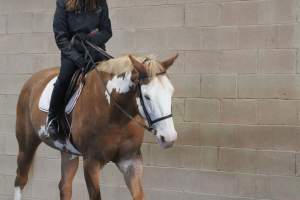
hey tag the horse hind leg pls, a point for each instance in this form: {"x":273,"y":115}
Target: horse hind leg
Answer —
{"x":28,"y":142}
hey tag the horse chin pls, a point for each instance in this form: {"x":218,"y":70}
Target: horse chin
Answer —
{"x":164,"y":145}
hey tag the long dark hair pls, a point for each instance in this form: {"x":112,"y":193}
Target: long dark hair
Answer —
{"x":89,"y":5}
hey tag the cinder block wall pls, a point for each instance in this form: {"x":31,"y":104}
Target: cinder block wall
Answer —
{"x":236,"y":104}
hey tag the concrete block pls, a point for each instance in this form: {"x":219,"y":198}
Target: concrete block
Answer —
{"x":283,"y":138}
{"x":39,"y":43}
{"x":202,"y":110}
{"x":276,"y":163}
{"x":218,"y":86}
{"x":111,"y":176}
{"x":284,"y":187}
{"x":19,"y":22}
{"x":276,"y":11}
{"x":46,"y":168}
{"x":188,"y":133}
{"x":209,"y":156}
{"x":202,"y":62}
{"x":143,"y":17}
{"x":208,"y":182}
{"x":277,"y":61}
{"x":178,"y":110}
{"x":277,"y":112}
{"x":8,"y":104}
{"x":123,"y":42}
{"x":237,"y":160}
{"x":115,"y":193}
{"x":217,"y":135}
{"x":163,"y":194}
{"x":194,"y":157}
{"x":12,"y":84}
{"x":286,"y":36}
{"x":41,"y":188}
{"x":3,"y":24}
{"x":246,"y":185}
{"x":165,"y":158}
{"x":121,"y":3}
{"x":239,"y":111}
{"x":239,"y":61}
{"x":268,"y":86}
{"x":164,"y":178}
{"x":42,"y":22}
{"x":297,"y":164}
{"x":240,"y":13}
{"x":7,"y":124}
{"x":184,"y":38}
{"x":186,"y":85}
{"x":202,"y":14}
{"x":220,"y":38}
{"x":11,"y":145}
{"x":150,"y":2}
{"x":254,"y":37}
{"x":11,"y":43}
{"x":151,"y":39}
{"x":9,"y":165}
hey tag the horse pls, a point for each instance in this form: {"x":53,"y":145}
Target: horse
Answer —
{"x":108,"y":121}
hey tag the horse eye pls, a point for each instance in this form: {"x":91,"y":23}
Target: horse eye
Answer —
{"x":147,"y":97}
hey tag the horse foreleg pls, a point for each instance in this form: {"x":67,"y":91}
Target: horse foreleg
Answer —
{"x":132,"y":170}
{"x":91,"y":175}
{"x":69,"y":168}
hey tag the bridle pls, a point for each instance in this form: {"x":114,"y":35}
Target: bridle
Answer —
{"x":148,"y":118}
{"x":150,"y":121}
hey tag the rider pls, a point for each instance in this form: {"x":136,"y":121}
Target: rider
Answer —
{"x":75,"y":21}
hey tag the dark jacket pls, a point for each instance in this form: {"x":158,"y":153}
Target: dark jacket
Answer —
{"x":67,"y":23}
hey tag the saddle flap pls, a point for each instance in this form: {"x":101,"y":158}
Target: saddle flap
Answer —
{"x":44,"y":102}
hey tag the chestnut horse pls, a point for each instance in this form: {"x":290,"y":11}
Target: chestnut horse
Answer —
{"x":102,"y":128}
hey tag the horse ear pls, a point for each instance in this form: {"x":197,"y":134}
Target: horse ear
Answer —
{"x":167,"y":63}
{"x":137,"y":65}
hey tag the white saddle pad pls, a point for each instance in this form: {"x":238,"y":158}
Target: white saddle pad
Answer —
{"x":45,"y":98}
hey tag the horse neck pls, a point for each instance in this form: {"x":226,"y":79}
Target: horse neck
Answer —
{"x":117,"y":89}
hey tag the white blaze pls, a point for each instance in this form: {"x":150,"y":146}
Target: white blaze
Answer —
{"x":121,"y":84}
{"x":157,"y":96}
{"x":18,"y":195}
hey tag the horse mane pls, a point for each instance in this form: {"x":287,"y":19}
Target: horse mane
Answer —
{"x":120,"y":65}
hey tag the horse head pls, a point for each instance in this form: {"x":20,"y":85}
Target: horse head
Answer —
{"x":155,"y":97}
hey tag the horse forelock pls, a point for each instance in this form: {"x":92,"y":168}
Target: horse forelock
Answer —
{"x":121,"y":65}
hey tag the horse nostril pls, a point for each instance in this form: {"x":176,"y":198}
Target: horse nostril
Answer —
{"x":162,"y":138}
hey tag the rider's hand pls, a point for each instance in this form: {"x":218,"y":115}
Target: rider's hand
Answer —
{"x":81,"y":62}
{"x":82,"y":37}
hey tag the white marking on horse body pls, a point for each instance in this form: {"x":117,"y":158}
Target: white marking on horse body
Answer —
{"x":125,"y":165}
{"x":18,"y":194}
{"x":121,"y":84}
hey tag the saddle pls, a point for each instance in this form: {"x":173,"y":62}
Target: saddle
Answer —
{"x":73,"y":92}
{"x":65,"y":142}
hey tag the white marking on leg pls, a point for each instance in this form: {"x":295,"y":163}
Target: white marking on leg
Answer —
{"x":121,"y":84}
{"x":18,"y":195}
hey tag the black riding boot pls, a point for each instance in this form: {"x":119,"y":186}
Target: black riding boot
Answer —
{"x":56,"y":105}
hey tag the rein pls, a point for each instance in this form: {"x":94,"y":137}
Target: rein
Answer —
{"x":148,"y":118}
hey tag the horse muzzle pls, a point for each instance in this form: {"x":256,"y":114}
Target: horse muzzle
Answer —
{"x":166,"y":142}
